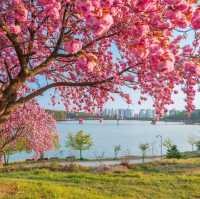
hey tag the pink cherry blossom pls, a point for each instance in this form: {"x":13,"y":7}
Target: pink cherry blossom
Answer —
{"x":196,"y":19}
{"x":105,"y":24}
{"x":15,"y":29}
{"x":73,"y":46}
{"x":32,"y":124}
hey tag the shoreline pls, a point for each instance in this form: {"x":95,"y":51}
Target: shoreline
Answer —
{"x":131,"y":158}
{"x":86,"y":163}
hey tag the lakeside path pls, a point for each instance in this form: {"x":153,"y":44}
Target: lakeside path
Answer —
{"x":88,"y":163}
{"x":113,"y":162}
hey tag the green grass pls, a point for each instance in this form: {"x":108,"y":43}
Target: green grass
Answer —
{"x":175,"y":179}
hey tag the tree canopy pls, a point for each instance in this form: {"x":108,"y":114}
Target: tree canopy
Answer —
{"x":80,"y":141}
{"x":88,"y":49}
{"x":29,"y":128}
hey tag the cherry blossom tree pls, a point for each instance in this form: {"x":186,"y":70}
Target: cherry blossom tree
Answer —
{"x":85,"y":50}
{"x":29,"y":128}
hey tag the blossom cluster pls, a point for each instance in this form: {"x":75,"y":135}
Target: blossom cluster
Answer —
{"x":32,"y":124}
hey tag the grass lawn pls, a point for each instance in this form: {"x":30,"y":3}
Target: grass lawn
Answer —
{"x":174,"y":179}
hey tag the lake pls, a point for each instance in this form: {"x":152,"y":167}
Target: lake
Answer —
{"x":128,"y":134}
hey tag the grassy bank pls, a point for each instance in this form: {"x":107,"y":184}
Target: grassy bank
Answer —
{"x":172,"y":179}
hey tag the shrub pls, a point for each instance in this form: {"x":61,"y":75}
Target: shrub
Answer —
{"x":198,"y":145}
{"x":117,"y":149}
{"x":73,"y":167}
{"x":144,"y":147}
{"x":173,"y":152}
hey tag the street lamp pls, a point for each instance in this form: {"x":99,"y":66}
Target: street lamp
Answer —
{"x":161,"y":144}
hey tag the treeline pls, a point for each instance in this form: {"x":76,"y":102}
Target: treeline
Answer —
{"x":58,"y":115}
{"x":63,"y":115}
{"x":183,"y":117}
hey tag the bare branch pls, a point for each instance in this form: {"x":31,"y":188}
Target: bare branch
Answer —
{"x":18,"y":132}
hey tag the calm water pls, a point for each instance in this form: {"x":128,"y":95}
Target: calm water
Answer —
{"x":129,"y":134}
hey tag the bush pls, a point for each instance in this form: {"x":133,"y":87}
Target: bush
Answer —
{"x":173,"y":152}
{"x":73,"y":167}
{"x":198,"y":145}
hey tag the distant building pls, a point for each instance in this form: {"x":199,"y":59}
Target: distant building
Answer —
{"x":128,"y":114}
{"x":146,"y":114}
{"x":142,"y":114}
{"x":136,"y":116}
{"x":172,"y":112}
{"x":150,"y":113}
{"x":118,"y":114}
{"x":109,"y":113}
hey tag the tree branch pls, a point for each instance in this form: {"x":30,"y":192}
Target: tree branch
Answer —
{"x":13,"y":39}
{"x":87,"y":45}
{"x":7,"y":71}
{"x":67,"y":84}
{"x":18,"y":133}
{"x":41,"y":67}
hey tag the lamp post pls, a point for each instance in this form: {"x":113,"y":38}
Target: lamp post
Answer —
{"x":161,"y":144}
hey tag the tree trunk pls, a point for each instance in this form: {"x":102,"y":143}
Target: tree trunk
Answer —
{"x":5,"y":159}
{"x":1,"y":158}
{"x":42,"y":156}
{"x":81,"y":157}
{"x":143,"y":156}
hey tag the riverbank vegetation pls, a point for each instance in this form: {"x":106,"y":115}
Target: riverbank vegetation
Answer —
{"x":166,"y":179}
{"x":177,"y":116}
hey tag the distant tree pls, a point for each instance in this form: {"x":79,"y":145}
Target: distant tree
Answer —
{"x":80,"y":141}
{"x":117,"y":149}
{"x":173,"y":152}
{"x":192,"y":140}
{"x":20,"y":145}
{"x":24,"y":129}
{"x":168,"y":143}
{"x":198,"y":145}
{"x":99,"y":156}
{"x":144,"y":148}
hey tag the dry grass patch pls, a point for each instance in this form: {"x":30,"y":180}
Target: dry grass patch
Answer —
{"x":7,"y":189}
